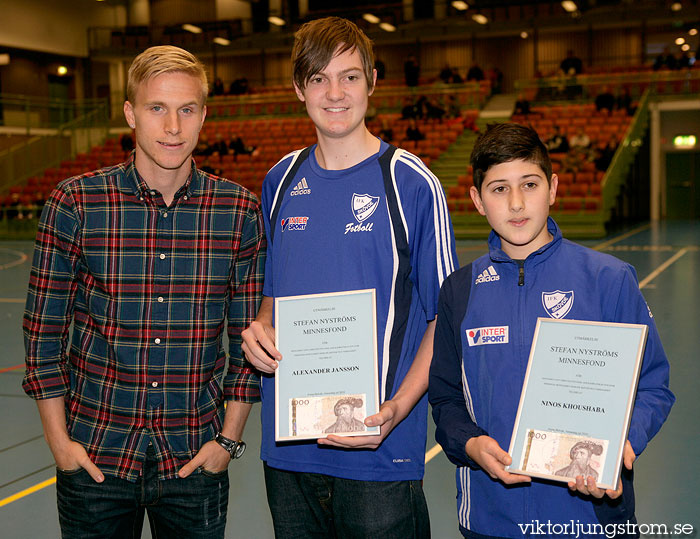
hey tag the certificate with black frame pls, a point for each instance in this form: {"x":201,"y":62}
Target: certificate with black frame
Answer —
{"x":327,"y":381}
{"x":577,"y":400}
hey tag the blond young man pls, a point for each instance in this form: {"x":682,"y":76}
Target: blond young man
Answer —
{"x":148,"y":259}
{"x":352,"y":212}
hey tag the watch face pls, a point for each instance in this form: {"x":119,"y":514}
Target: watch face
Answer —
{"x":240,"y":449}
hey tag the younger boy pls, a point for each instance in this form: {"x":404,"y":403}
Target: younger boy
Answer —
{"x":475,"y":389}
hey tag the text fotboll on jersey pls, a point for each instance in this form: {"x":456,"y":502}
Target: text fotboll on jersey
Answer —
{"x":363,"y":206}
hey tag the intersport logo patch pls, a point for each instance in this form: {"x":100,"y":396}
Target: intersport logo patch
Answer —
{"x":487,"y":335}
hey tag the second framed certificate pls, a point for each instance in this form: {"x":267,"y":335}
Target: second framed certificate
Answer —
{"x":577,"y":400}
{"x":327,"y":381}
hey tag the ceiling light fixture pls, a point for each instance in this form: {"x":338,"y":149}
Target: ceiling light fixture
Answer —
{"x":693,"y":31}
{"x":524,"y":35}
{"x":569,"y":6}
{"x":192,"y":28}
{"x":680,"y":40}
{"x":387,"y":27}
{"x":676,"y":6}
{"x":460,"y":5}
{"x":481,"y":19}
{"x":222,"y":41}
{"x":276,"y":20}
{"x":370,"y":18}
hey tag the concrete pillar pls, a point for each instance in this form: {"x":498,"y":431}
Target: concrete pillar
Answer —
{"x":407,"y":10}
{"x":440,"y":10}
{"x":117,"y":86}
{"x":139,"y":13}
{"x":303,"y":8}
{"x":236,"y":10}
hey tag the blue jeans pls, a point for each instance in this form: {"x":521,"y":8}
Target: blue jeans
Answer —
{"x":316,"y":505}
{"x":194,"y":507}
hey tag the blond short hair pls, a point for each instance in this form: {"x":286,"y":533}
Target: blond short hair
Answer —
{"x":317,"y":42}
{"x":161,"y":59}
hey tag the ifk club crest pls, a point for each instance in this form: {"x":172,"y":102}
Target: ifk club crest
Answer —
{"x":363,"y":206}
{"x":558,"y":303}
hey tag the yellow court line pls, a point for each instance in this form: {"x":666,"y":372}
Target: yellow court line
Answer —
{"x":612,"y":241}
{"x":654,"y":274}
{"x":433,"y":452}
{"x":28,"y":491}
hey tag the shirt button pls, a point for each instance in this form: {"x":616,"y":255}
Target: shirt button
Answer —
{"x":157,"y":341}
{"x":165,"y":214}
{"x":154,"y":384}
{"x":153,"y":193}
{"x":162,"y":256}
{"x":141,"y":199}
{"x":160,"y":299}
{"x":184,"y":198}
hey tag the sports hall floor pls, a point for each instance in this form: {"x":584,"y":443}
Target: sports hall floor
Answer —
{"x":667,"y":258}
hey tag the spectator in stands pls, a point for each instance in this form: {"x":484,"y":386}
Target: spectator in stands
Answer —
{"x":219,"y":146}
{"x":386,"y":133}
{"x":126,"y":142}
{"x":685,"y":61}
{"x":218,"y":87}
{"x":202,"y":147}
{"x":239,"y":147}
{"x":580,"y":141}
{"x":624,"y":102}
{"x":495,"y":75}
{"x":605,"y":153}
{"x":571,"y":65}
{"x":432,"y":110}
{"x":446,"y":74}
{"x":381,"y":69}
{"x":239,"y":86}
{"x":411,"y":71}
{"x":522,"y":106}
{"x":178,"y":257}
{"x":558,"y":142}
{"x":371,"y":112}
{"x":413,"y":132}
{"x":572,"y":161}
{"x":605,"y":100}
{"x":456,"y":78}
{"x":410,"y":109}
{"x":475,"y":73}
{"x":665,"y":60}
{"x":453,"y":110}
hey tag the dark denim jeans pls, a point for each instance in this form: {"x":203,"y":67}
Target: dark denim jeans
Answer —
{"x":194,"y":507}
{"x":306,"y":505}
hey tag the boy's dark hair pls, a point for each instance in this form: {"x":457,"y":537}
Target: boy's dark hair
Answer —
{"x":316,"y":43}
{"x":502,"y":143}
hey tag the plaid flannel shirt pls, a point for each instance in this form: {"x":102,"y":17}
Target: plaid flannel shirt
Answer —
{"x":148,"y":289}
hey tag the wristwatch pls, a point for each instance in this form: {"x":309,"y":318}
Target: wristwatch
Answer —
{"x":234,"y":448}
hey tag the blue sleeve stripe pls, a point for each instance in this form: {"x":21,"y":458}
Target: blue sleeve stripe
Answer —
{"x":443,"y":236}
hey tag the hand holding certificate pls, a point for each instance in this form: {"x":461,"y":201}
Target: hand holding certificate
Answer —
{"x":577,"y":401}
{"x":328,"y":381}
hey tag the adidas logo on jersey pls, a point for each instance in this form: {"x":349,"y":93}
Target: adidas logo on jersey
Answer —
{"x":487,"y":276}
{"x":302,"y":188}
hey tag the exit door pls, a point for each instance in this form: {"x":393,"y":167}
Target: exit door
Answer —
{"x":683,"y":185}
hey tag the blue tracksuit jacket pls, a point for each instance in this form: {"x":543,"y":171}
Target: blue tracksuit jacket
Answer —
{"x":475,"y":390}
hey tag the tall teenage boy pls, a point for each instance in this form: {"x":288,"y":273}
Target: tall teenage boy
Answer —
{"x":475,"y":388}
{"x":400,"y":244}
